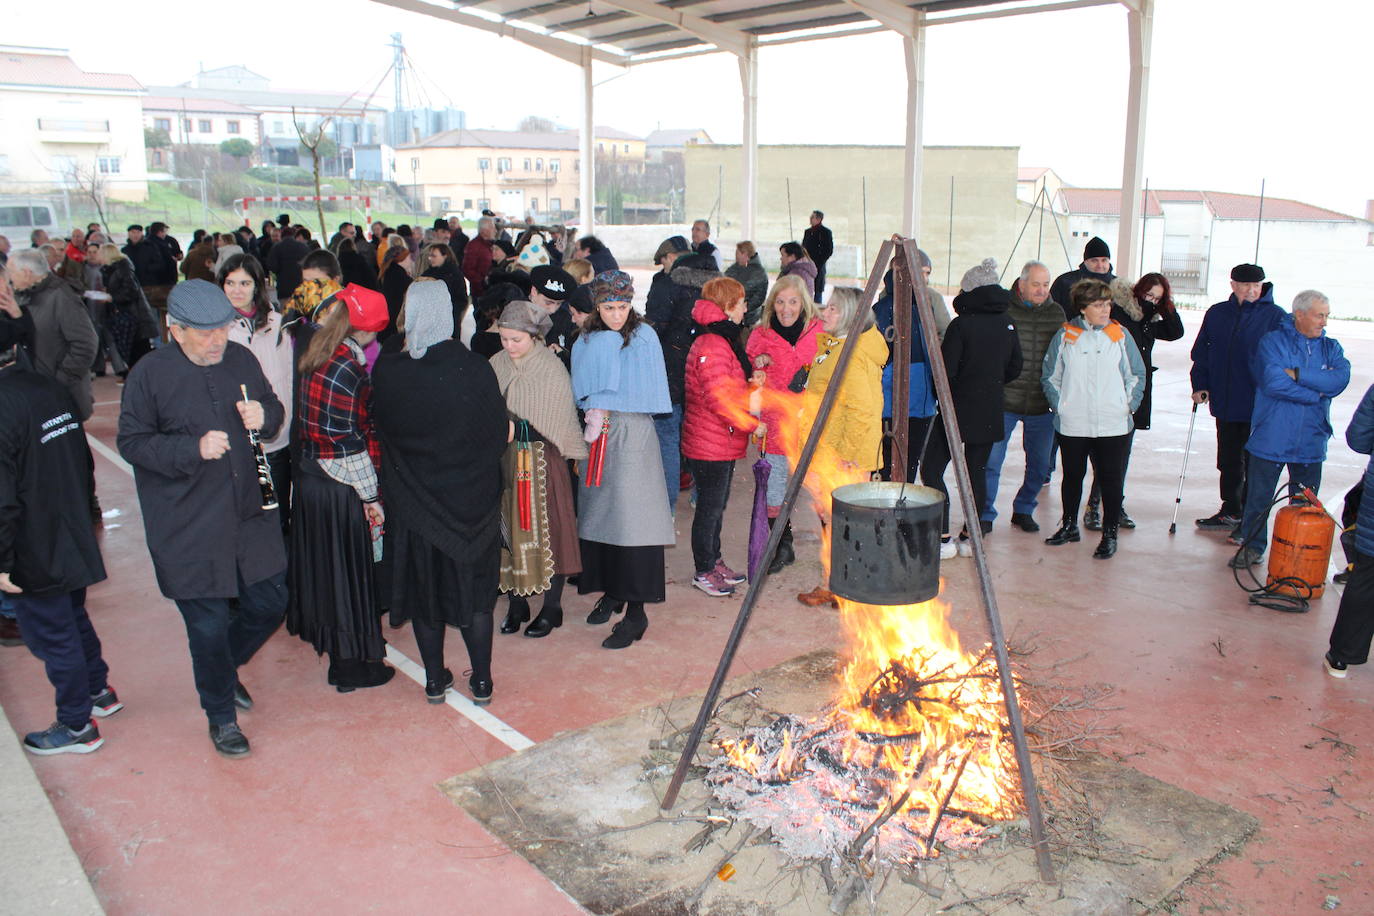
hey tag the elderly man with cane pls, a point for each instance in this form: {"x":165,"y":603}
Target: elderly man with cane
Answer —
{"x":186,"y":431}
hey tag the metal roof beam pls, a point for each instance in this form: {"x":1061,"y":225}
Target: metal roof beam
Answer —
{"x":723,"y":37}
{"x":570,"y":51}
{"x":1018,"y":11}
{"x":896,"y":16}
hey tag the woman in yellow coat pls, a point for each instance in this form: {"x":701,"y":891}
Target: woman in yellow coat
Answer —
{"x":850,"y":449}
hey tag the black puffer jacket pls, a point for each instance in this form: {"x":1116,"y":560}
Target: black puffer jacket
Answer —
{"x":1035,"y":326}
{"x":125,"y":293}
{"x":690,"y":273}
{"x":982,"y":354}
{"x":754,"y":279}
{"x":1146,"y":323}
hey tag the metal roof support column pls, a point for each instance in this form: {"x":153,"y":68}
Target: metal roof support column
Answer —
{"x":1129,"y":245}
{"x":914,"y":50}
{"x":586,"y":143}
{"x":749,"y":88}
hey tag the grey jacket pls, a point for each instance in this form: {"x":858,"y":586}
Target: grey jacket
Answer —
{"x":64,"y":340}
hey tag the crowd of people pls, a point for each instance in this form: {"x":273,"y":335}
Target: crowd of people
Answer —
{"x":426,"y":424}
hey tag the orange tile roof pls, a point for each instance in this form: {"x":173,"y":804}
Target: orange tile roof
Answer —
{"x":58,"y":71}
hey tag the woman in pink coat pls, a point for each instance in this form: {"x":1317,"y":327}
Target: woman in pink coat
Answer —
{"x":716,"y":423}
{"x":781,"y":348}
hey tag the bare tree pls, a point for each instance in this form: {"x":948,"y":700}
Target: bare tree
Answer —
{"x":312,"y":140}
{"x":92,"y":183}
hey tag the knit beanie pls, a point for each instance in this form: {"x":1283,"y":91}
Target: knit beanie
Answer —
{"x":925,"y":259}
{"x":429,"y":316}
{"x":985,"y":274}
{"x":1096,"y":248}
{"x":613,"y":286}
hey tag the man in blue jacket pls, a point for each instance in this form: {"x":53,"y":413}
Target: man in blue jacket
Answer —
{"x":1221,"y":376}
{"x":1299,"y":370}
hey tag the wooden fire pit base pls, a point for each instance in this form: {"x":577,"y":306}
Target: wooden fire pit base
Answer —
{"x":583,"y":809}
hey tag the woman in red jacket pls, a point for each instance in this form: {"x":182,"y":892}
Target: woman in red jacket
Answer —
{"x":782,"y":347}
{"x":716,"y":423}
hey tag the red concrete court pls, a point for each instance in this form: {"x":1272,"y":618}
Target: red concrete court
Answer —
{"x":337,"y":804}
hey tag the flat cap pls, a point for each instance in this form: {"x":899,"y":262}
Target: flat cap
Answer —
{"x":199,"y":304}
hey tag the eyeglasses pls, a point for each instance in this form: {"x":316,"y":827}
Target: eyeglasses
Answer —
{"x":1152,"y":299}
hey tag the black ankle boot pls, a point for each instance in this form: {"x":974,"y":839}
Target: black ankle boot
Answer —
{"x":549,"y":619}
{"x":1067,"y":533}
{"x":517,"y":614}
{"x":785,"y":555}
{"x":1125,"y":521}
{"x":606,"y":607}
{"x":1092,"y":516}
{"x":435,"y":688}
{"x":627,"y":632}
{"x":481,"y":689}
{"x":1106,"y":549}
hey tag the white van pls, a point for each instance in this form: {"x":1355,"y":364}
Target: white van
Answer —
{"x":19,"y":216}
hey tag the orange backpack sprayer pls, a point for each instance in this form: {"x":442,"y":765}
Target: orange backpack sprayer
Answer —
{"x":1301,"y":549}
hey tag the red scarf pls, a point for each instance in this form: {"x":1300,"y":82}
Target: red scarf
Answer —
{"x":75,"y":253}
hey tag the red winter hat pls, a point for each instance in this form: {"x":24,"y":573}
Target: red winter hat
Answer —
{"x":366,"y":307}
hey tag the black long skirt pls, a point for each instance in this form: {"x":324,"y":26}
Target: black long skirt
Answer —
{"x":333,"y":603}
{"x":624,"y":573}
{"x":431,"y":586}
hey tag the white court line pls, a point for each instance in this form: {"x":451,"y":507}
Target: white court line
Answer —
{"x":479,"y":716}
{"x":465,"y":707}
{"x":111,"y":454}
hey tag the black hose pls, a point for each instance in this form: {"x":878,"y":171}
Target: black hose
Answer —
{"x":1270,"y":595}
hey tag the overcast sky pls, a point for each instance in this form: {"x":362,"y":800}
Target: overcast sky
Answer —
{"x":1241,"y":89}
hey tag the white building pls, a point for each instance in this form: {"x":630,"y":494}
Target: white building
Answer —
{"x":351,"y":120}
{"x":1196,"y":237}
{"x":202,"y":121}
{"x":62,"y":127}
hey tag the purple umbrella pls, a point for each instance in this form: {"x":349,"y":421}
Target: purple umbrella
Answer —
{"x":758,"y":521}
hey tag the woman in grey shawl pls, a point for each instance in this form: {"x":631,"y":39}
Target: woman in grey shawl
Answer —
{"x":537,"y":506}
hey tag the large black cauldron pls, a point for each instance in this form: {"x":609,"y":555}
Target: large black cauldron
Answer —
{"x":885,"y":543}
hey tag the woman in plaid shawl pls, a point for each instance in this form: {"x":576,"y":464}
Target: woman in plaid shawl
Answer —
{"x":336,"y":513}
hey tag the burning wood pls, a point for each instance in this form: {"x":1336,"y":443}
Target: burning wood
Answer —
{"x":914,"y":755}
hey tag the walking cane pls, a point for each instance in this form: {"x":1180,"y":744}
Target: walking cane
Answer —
{"x":1187,"y":450}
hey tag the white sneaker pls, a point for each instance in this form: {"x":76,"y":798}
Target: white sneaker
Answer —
{"x":947,"y":550}
{"x":965,"y":547}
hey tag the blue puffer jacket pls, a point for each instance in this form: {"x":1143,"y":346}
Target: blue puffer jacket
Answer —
{"x":1224,"y":352}
{"x":922,"y":385}
{"x":1292,"y":418}
{"x":1359,"y":435}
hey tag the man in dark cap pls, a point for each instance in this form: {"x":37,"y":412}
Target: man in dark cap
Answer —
{"x":45,"y":493}
{"x":550,"y":289}
{"x":184,"y":427}
{"x":1096,"y":265}
{"x":1223,"y":379}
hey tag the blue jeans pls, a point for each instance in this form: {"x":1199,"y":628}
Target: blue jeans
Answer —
{"x":669,"y":429}
{"x":1037,"y":439}
{"x":1261,"y":479}
{"x":59,"y":634}
{"x":223,"y":638}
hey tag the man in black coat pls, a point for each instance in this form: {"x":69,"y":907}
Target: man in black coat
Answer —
{"x":702,"y":244}
{"x":284,"y":260}
{"x":819,"y":245}
{"x":48,"y":550}
{"x":184,"y":427}
{"x":1096,"y":265}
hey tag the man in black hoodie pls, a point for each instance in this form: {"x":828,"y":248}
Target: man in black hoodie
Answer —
{"x":45,"y":494}
{"x":1096,"y":265}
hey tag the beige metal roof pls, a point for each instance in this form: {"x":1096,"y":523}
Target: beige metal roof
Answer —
{"x":638,"y":31}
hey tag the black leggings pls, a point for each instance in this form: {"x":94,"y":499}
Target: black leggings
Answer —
{"x":1095,"y":494}
{"x":938,"y":458}
{"x":1108,"y":456}
{"x":429,"y":637}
